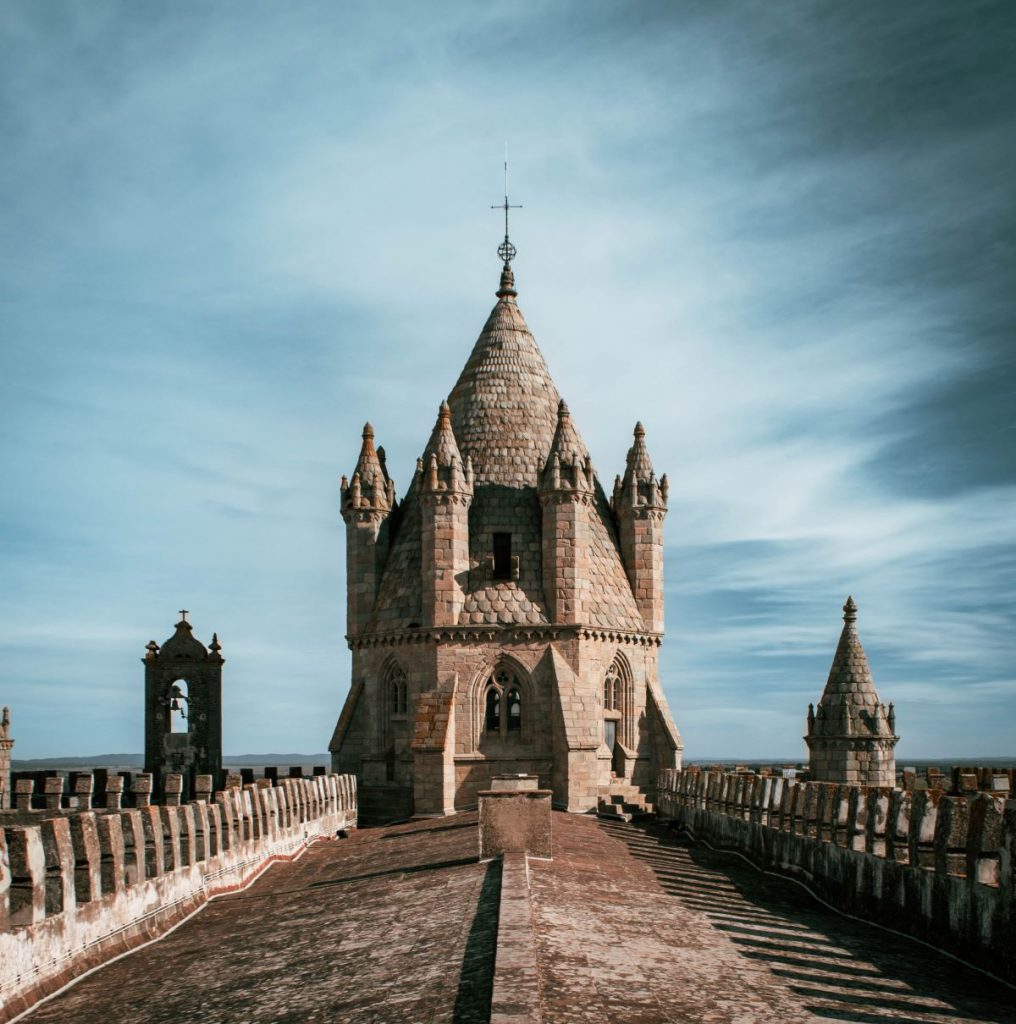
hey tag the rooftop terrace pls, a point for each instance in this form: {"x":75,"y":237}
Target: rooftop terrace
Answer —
{"x":629,"y":924}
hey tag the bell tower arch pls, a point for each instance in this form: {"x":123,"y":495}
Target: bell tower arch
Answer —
{"x":183,"y":707}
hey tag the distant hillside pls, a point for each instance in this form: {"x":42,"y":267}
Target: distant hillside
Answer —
{"x":137,"y":761}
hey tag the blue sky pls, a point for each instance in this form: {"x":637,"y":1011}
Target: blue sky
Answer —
{"x":779,"y":234}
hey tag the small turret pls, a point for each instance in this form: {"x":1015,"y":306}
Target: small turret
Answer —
{"x":369,"y":490}
{"x":6,"y":745}
{"x":639,"y":502}
{"x":444,"y":470}
{"x":568,"y":467}
{"x":445,"y":493}
{"x":368,"y":499}
{"x":567,"y":489}
{"x":851,"y":735}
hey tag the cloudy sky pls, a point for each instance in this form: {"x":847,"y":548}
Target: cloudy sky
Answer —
{"x":781,"y":234}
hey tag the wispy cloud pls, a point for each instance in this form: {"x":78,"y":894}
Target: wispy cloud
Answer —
{"x":235,"y":233}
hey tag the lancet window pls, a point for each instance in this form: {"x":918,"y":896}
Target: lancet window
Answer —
{"x":503,"y":705}
{"x":394,"y":702}
{"x":619,"y":701}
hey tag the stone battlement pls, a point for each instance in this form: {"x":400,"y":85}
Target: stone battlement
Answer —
{"x":79,"y":888}
{"x":101,"y":789}
{"x":939,"y":867}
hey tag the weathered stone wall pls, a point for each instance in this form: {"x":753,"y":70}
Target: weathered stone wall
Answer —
{"x":79,"y":889}
{"x":939,"y":867}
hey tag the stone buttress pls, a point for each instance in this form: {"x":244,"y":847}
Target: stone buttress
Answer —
{"x":504,"y":617}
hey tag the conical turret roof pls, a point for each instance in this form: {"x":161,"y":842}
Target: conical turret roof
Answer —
{"x":849,"y":703}
{"x":504,"y":404}
{"x":504,"y":415}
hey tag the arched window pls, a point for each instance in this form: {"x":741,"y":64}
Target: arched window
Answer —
{"x":514,"y":710}
{"x":397,"y":691}
{"x":393,"y":702}
{"x":178,"y":707}
{"x":503,"y":714}
{"x":619,"y":701}
{"x":493,"y":716}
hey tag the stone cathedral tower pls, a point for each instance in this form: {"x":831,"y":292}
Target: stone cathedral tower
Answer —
{"x":504,"y":616}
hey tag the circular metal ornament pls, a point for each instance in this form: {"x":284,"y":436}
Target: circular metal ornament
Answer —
{"x":506,"y":251}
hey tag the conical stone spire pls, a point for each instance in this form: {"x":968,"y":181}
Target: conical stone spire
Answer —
{"x":568,"y":464}
{"x":369,"y":488}
{"x":504,"y":404}
{"x":442,"y":465}
{"x":639,"y":487}
{"x":503,"y":419}
{"x":851,"y":733}
{"x":850,"y":685}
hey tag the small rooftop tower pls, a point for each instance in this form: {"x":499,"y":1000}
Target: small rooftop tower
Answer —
{"x":851,"y":734}
{"x":183,"y":707}
{"x":6,"y":744}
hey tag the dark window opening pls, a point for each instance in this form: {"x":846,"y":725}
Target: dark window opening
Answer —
{"x":493,"y":710}
{"x":514,"y":711}
{"x":502,"y":556}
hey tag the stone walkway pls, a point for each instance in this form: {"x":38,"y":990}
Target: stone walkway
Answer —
{"x":388,"y":926}
{"x":630,"y":925}
{"x":634,"y":925}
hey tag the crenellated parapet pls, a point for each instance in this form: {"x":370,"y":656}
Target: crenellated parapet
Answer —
{"x":444,"y":485}
{"x":367,"y":500}
{"x":940,"y":867}
{"x":79,"y":889}
{"x":639,"y":503}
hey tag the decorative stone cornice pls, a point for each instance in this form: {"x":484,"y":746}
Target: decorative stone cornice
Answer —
{"x":364,"y":515}
{"x":445,"y":498}
{"x":566,"y":498}
{"x":492,"y":633}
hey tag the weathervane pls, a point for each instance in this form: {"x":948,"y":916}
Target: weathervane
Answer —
{"x":506,"y":250}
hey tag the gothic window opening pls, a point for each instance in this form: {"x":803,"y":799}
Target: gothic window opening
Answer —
{"x":394,"y":703}
{"x":514,"y":710}
{"x":397,"y":695}
{"x":503,"y":714}
{"x":493,"y":715}
{"x":619,"y":705}
{"x":502,"y":556}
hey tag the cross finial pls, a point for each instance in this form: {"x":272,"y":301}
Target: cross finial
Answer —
{"x":506,"y":250}
{"x":183,"y":614}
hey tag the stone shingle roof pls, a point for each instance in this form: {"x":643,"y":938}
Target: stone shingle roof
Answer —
{"x":504,"y":404}
{"x":849,"y":702}
{"x":504,"y":413}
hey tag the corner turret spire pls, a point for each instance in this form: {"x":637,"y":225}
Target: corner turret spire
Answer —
{"x":369,"y":488}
